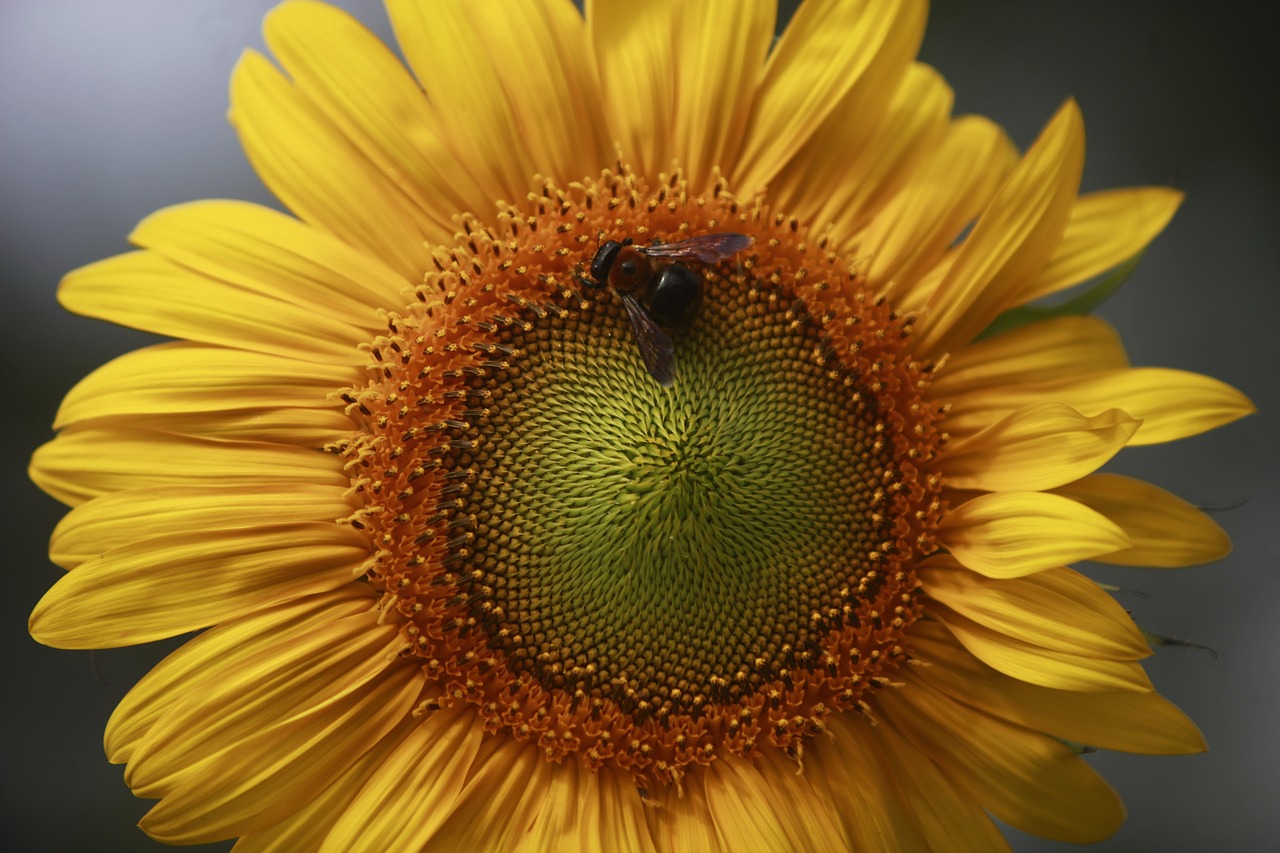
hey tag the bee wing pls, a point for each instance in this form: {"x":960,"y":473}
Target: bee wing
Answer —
{"x":707,"y":248}
{"x":656,"y":349}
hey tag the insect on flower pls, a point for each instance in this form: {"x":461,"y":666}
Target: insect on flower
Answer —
{"x":658,"y":290}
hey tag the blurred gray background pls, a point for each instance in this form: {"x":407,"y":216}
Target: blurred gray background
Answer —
{"x":110,"y":109}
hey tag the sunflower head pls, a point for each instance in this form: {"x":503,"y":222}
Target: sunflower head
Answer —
{"x":647,"y":575}
{"x":566,"y":475}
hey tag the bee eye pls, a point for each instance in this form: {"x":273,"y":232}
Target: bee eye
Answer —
{"x":604,"y":260}
{"x":629,"y":267}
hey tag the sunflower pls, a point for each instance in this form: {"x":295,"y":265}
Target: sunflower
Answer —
{"x":639,"y":438}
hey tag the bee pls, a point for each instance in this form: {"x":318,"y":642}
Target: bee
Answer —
{"x":657,"y":290}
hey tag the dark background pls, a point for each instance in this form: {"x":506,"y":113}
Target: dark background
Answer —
{"x":111,"y":109}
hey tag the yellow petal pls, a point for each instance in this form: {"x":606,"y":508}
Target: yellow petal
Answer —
{"x":741,"y":806}
{"x":1039,"y":352}
{"x":311,"y":428}
{"x":1126,"y":721}
{"x":557,"y":824}
{"x":306,"y":828}
{"x":1026,"y":779}
{"x":214,"y":392}
{"x":364,"y":90}
{"x":862,"y":789}
{"x":806,"y":800}
{"x":1012,"y":240}
{"x":412,"y":793}
{"x":855,"y":163}
{"x":612,"y":808}
{"x":264,"y":251}
{"x":1106,"y":229}
{"x":214,"y":652}
{"x":322,"y":176}
{"x":1036,"y":447}
{"x":118,"y":519}
{"x":145,"y":291}
{"x":1010,"y":534}
{"x":182,"y":377}
{"x":1058,"y":609}
{"x":82,"y":464}
{"x":503,"y":794}
{"x":835,"y":59}
{"x":1038,"y":665}
{"x":915,"y":296}
{"x":269,"y":776}
{"x":169,"y":585}
{"x":1171,"y":404}
{"x":862,"y":155}
{"x":291,"y":676}
{"x":698,"y":64}
{"x":1165,"y":531}
{"x":680,"y":820}
{"x":942,"y":196}
{"x":633,"y":48}
{"x":513,"y":86}
{"x":718,"y":51}
{"x":949,"y":817}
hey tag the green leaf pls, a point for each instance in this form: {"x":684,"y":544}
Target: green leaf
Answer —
{"x":1082,"y":303}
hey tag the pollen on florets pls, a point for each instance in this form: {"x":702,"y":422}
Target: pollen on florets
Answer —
{"x":632,"y":575}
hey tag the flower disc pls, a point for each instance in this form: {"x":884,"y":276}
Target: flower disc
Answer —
{"x":628,"y":571}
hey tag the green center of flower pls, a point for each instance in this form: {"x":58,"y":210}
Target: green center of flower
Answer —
{"x":651,"y":543}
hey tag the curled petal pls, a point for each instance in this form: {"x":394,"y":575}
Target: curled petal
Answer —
{"x":1037,"y":447}
{"x":1010,"y":534}
{"x":1171,"y":404}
